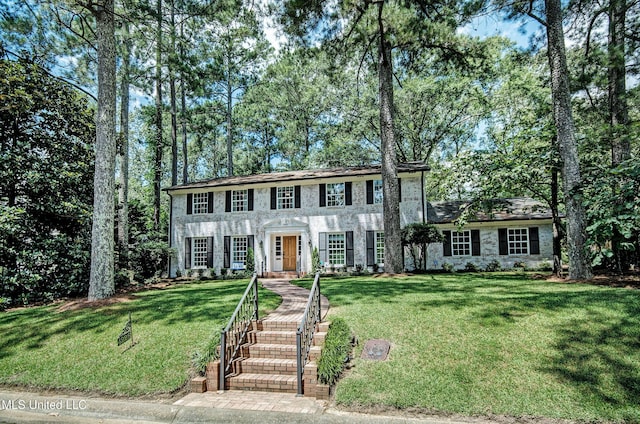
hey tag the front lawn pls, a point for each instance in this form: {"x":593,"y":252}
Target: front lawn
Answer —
{"x":488,"y":344}
{"x":45,"y":347}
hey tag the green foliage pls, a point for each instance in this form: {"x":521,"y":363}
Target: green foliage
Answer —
{"x":335,"y":353}
{"x":315,"y":261}
{"x":46,"y":169}
{"x":471,"y":267}
{"x":418,"y":236}
{"x":210,"y":352}
{"x":149,"y":256}
{"x":493,"y":266}
{"x":447,"y":267}
{"x":251,"y":263}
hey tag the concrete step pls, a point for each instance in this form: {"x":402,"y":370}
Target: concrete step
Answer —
{"x":266,"y":366}
{"x":263,"y":382}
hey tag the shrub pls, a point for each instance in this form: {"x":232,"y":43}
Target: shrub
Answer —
{"x":336,"y":351}
{"x":315,"y":260}
{"x":210,"y":352}
{"x":251,"y":264}
{"x":447,"y":267}
{"x":471,"y":267}
{"x":149,"y":257}
{"x":493,"y":266}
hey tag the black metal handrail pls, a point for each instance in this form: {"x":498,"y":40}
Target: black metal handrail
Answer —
{"x":234,"y":334}
{"x":307,"y":328}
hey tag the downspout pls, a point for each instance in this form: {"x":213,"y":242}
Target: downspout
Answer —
{"x":170,"y":232}
{"x":423,"y":195}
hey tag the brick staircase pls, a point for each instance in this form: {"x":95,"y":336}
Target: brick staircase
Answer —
{"x":268,"y":359}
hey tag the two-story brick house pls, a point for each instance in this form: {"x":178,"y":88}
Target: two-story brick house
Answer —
{"x":283,"y":216}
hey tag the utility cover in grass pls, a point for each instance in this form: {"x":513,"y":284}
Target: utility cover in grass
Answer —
{"x":376,"y":350}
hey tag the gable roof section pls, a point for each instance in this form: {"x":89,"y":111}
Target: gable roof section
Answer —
{"x":291,"y":176}
{"x":513,"y":209}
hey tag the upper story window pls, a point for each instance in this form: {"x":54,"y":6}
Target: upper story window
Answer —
{"x":461,"y":243}
{"x":377,"y":192}
{"x":200,"y":203}
{"x":239,"y":200}
{"x":285,"y":197}
{"x":335,"y":194}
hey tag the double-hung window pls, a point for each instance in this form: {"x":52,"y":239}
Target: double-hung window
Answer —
{"x":199,"y":252}
{"x":239,"y":252}
{"x":200,"y":203}
{"x":379,"y":247}
{"x":377,"y":192}
{"x":461,"y":243}
{"x":335,"y":194}
{"x":239,"y":200}
{"x":518,"y":241}
{"x":285,"y":197}
{"x":336,"y":249}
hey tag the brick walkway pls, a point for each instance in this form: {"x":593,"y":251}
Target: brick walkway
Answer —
{"x":294,"y":301}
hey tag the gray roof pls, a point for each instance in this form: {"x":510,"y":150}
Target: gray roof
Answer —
{"x":289,"y":176}
{"x":518,"y":208}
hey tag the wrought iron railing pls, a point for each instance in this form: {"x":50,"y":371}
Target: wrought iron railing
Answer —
{"x":307,"y":328}
{"x":234,"y":335}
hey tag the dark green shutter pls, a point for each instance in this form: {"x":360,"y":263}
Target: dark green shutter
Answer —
{"x":371,"y":248}
{"x":227,"y":252}
{"x":399,"y":189}
{"x":323,"y":195}
{"x":209,"y":252}
{"x":210,"y":202}
{"x":349,"y":248}
{"x":322,"y":247}
{"x":250,"y":199}
{"x":534,"y":241}
{"x":475,"y":242}
{"x":347,"y":194}
{"x":503,"y":245}
{"x":187,"y":253}
{"x":369,"y":192}
{"x":274,"y":198}
{"x":189,"y":203}
{"x":227,"y":201}
{"x":296,"y":194}
{"x":446,"y":244}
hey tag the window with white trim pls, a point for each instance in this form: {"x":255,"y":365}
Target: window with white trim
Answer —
{"x":199,"y":255}
{"x":335,"y":194}
{"x":239,"y":200}
{"x":285,"y":197}
{"x":461,"y":243}
{"x":377,"y":192}
{"x":379,"y":247}
{"x":518,"y":241}
{"x":336,"y":249}
{"x":200,"y":203}
{"x":239,"y":251}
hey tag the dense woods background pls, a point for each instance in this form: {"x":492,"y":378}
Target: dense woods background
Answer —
{"x":103,"y":103}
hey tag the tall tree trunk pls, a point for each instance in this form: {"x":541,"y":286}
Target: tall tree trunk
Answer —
{"x":123,"y":153}
{"x":183,"y":114}
{"x":556,"y":224}
{"x":229,"y":120}
{"x":618,"y":112}
{"x":172,"y":94}
{"x":579,"y":266}
{"x":391,"y":197}
{"x":101,"y":280}
{"x":157,"y":165}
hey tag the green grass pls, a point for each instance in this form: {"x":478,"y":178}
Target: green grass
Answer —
{"x":41,"y":347}
{"x":492,"y":344}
